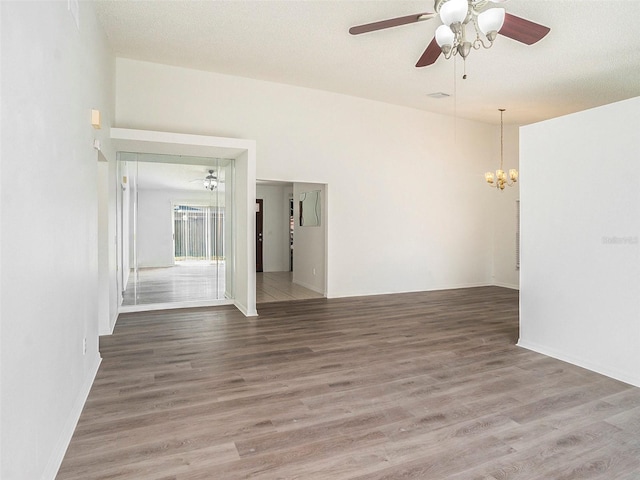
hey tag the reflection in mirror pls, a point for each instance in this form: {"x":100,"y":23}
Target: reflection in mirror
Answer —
{"x":175,"y":243}
{"x":310,"y":209}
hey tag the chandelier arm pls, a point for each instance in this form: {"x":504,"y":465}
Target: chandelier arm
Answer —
{"x":479,"y":41}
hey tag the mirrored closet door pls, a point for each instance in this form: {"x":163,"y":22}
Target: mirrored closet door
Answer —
{"x":174,"y":223}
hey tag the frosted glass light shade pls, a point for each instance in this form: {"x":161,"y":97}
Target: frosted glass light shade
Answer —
{"x":491,"y":20}
{"x":444,"y":36}
{"x":454,"y":11}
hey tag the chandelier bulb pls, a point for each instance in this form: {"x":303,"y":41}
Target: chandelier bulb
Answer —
{"x":491,"y":21}
{"x":454,"y":11}
{"x":445,"y":37}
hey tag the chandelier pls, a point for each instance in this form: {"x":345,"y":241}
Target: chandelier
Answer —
{"x":211,"y":181}
{"x":451,"y":37}
{"x":500,"y":180}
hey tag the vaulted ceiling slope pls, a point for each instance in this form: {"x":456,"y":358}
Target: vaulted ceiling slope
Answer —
{"x":591,"y":57}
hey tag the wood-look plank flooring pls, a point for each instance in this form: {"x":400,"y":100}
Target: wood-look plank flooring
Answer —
{"x":183,"y":282}
{"x":409,"y":386}
{"x":204,"y":281}
{"x":279,"y":287}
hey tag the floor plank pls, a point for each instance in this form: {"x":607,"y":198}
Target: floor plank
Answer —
{"x":202,"y":282}
{"x":410,"y":386}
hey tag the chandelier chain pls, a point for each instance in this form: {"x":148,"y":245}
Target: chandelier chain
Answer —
{"x":501,"y":140}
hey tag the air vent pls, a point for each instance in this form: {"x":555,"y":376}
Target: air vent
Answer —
{"x":438,"y":95}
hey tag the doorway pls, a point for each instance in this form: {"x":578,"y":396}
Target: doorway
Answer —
{"x":239,"y":240}
{"x":293,"y":257}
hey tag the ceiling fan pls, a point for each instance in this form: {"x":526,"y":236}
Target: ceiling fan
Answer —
{"x":451,"y":37}
{"x":210,"y":181}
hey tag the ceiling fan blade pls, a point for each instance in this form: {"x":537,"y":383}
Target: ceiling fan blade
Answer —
{"x":522,"y":30}
{"x":391,"y":22}
{"x":430,"y":55}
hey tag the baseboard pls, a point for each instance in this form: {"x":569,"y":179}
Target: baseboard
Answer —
{"x":507,"y":285}
{"x":150,"y":307}
{"x":309,"y":286}
{"x":631,"y":379}
{"x":53,"y":465}
{"x":245,"y":311}
{"x":434,"y":289}
{"x":112,"y":324}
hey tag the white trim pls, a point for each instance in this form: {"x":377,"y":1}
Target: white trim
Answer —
{"x":60,"y":448}
{"x":243,"y":151}
{"x":507,"y":285}
{"x":149,"y":141}
{"x":435,"y":289}
{"x":309,"y":286}
{"x":113,"y":321}
{"x":173,"y":305}
{"x":245,"y":311}
{"x":631,"y":379}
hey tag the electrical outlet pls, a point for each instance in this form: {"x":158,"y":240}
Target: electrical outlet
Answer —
{"x":84,"y":346}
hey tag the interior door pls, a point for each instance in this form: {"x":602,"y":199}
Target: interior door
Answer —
{"x":259,"y":226}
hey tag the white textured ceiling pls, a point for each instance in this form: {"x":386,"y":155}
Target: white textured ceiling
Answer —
{"x":591,"y":56}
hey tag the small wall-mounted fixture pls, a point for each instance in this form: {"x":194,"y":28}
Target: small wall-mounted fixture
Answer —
{"x":95,"y":119}
{"x":124,"y":183}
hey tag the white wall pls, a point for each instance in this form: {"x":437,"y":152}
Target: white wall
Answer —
{"x":52,"y":76}
{"x":124,"y":222}
{"x":503,"y":214}
{"x":275,"y":244}
{"x":155,"y":224}
{"x":112,"y":268}
{"x":244,"y":226}
{"x":580,"y":278}
{"x":154,"y":230}
{"x":107,"y":281}
{"x":309,"y":242}
{"x":408,"y":211}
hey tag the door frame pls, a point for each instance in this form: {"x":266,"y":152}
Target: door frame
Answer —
{"x":259,"y":235}
{"x":243,"y":153}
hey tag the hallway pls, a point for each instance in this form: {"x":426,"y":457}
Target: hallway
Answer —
{"x":279,"y":287}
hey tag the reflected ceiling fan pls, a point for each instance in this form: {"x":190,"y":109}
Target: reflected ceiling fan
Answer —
{"x":210,"y":181}
{"x":454,"y":38}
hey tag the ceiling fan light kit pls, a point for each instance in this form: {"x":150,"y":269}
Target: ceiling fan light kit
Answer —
{"x":456,"y":15}
{"x":451,"y":36}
